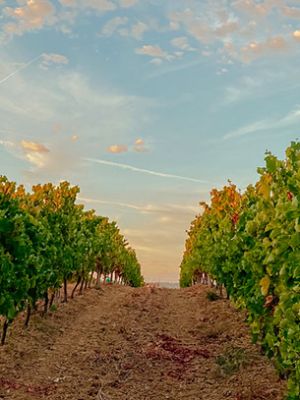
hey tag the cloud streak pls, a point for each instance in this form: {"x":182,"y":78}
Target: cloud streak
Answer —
{"x":166,"y":209}
{"x":20,"y":69}
{"x":111,"y":203}
{"x":291,"y":118}
{"x":142,"y":170}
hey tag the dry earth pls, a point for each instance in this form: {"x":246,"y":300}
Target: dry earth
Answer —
{"x":137,"y":344}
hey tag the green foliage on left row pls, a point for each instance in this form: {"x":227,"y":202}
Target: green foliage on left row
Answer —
{"x":46,"y":239}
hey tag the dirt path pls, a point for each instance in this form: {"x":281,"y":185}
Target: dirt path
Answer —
{"x":137,"y":344}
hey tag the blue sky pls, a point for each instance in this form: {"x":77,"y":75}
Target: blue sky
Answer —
{"x":147,"y":104}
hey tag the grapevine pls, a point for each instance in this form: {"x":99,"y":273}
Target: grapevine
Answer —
{"x":48,"y":240}
{"x":250,"y":243}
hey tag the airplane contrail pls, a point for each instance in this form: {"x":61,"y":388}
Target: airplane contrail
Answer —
{"x":20,"y":69}
{"x":144,"y":171}
{"x":113,"y":203}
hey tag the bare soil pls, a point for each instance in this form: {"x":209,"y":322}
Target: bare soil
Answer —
{"x":137,"y":344}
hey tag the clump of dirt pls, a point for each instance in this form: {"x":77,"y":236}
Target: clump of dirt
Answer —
{"x":137,"y":344}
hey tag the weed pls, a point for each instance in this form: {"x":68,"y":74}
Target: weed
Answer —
{"x":232,"y":360}
{"x":212,"y":296}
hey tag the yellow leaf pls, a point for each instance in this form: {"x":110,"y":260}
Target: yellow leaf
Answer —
{"x":264,"y":285}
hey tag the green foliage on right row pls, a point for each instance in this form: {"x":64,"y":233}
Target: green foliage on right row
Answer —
{"x":250,"y":242}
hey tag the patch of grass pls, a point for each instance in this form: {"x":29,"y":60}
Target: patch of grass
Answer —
{"x":232,"y":360}
{"x":53,"y":308}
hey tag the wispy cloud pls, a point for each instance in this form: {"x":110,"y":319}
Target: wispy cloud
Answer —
{"x":112,"y":25}
{"x":291,"y":118}
{"x":7,"y":143}
{"x":142,"y":170}
{"x":182,"y":43}
{"x":34,"y":152}
{"x":164,"y":210}
{"x":246,"y":87}
{"x":174,"y":68}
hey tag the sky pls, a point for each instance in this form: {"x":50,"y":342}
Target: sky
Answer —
{"x":147,"y":105}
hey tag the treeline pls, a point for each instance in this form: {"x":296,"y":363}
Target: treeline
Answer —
{"x":48,"y":240}
{"x":250,"y":243}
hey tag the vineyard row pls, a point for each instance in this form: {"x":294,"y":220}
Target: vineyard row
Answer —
{"x":250,"y":243}
{"x":47,"y":240}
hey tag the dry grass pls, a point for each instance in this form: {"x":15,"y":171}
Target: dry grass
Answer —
{"x":137,"y":344}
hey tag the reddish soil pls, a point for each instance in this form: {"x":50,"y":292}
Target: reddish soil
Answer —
{"x":137,"y":344}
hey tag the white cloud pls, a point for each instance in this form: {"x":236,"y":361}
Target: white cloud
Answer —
{"x":49,"y":59}
{"x":138,"y":30}
{"x":154,"y":51}
{"x":181,"y":42}
{"x":7,"y":143}
{"x":112,"y":25}
{"x":156,"y":61}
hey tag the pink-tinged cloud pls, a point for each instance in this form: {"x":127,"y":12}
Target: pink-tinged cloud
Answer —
{"x":139,"y":142}
{"x":128,"y":3}
{"x":182,"y":43}
{"x":34,"y":147}
{"x":152,"y":51}
{"x":291,"y":12}
{"x":251,"y":7}
{"x":296,"y":35}
{"x":139,"y":146}
{"x":35,"y":153}
{"x":254,"y":50}
{"x":98,"y":5}
{"x":227,"y":28}
{"x":117,"y":149}
{"x":32,"y":16}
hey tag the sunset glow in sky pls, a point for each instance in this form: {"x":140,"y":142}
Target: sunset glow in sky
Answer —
{"x":147,"y":105}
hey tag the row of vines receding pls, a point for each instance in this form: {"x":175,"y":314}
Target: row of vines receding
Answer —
{"x":250,"y":243}
{"x":48,"y":240}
